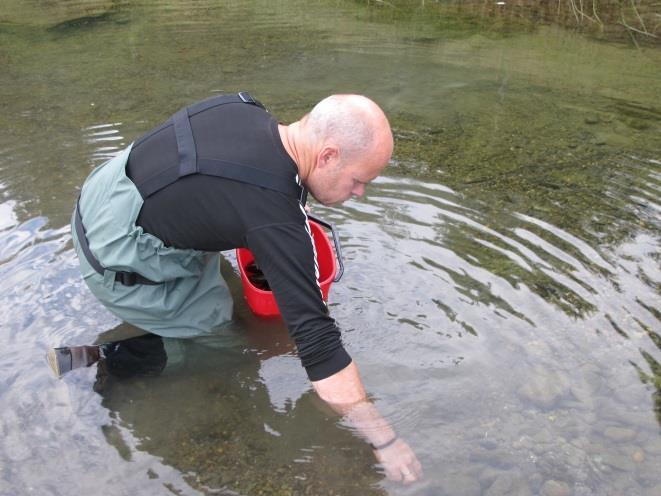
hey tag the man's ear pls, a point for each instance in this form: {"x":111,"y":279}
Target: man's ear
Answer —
{"x":328,"y":156}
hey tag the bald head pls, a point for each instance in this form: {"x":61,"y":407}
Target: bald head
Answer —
{"x":339,"y":147}
{"x":354,"y":123}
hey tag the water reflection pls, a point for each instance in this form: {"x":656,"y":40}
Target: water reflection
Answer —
{"x":488,"y":376}
{"x":501,"y":294}
{"x":106,"y":139}
{"x":527,"y":321}
{"x":206,"y":407}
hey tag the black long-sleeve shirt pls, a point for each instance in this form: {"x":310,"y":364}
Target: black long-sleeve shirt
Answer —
{"x":210,"y":213}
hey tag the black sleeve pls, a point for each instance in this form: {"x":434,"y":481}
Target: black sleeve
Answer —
{"x":284,"y":252}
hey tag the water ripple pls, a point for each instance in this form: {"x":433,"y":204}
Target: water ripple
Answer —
{"x":102,"y":137}
{"x":43,"y":293}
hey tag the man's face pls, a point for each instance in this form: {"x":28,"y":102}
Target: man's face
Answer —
{"x":335,"y":182}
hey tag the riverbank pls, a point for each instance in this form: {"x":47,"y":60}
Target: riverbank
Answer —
{"x":636,"y":22}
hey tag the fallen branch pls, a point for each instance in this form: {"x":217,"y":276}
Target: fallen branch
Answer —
{"x":631,"y":28}
{"x":633,"y":5}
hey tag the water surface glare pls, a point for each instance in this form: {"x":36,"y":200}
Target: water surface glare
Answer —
{"x":502,"y":286}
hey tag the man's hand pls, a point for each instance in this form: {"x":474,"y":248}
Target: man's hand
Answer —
{"x":399,"y":462}
{"x":344,"y":392}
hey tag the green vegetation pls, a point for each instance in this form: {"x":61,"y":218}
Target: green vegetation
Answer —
{"x":636,"y":21}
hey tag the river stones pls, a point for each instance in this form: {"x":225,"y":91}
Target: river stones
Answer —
{"x":498,"y":458}
{"x":638,"y":456}
{"x":554,"y":488}
{"x":653,"y":446}
{"x":543,"y":388}
{"x":653,"y":491}
{"x":461,"y":485}
{"x":541,"y":439}
{"x":619,"y":434}
{"x":573,"y":456}
{"x":583,"y":394}
{"x":509,"y":485}
{"x":618,"y":460}
{"x":489,"y":475}
{"x":257,"y":277}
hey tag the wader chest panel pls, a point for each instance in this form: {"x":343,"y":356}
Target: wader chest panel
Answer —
{"x":189,"y":163}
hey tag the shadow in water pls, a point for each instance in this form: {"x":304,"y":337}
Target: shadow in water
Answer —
{"x":204,"y":407}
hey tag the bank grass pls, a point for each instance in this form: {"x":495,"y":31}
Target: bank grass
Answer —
{"x":632,"y":21}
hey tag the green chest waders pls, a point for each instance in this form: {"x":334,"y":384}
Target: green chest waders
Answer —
{"x":164,"y":290}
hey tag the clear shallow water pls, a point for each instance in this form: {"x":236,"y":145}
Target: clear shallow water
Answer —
{"x":502,"y":288}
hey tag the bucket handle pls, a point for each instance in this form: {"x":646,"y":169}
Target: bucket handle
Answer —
{"x":336,"y":242}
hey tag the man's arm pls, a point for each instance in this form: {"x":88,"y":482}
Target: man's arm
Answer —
{"x":345,"y":393}
{"x":284,"y":253}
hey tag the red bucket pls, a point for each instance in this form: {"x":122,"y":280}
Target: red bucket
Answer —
{"x":262,"y":302}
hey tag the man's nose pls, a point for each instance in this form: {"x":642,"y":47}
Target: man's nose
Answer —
{"x":358,"y":190}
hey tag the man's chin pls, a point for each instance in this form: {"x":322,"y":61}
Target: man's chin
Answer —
{"x":327,"y":203}
{"x":330,"y":203}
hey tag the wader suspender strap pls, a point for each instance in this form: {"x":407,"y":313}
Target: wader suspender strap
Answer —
{"x":190,"y":164}
{"x":126,"y":278}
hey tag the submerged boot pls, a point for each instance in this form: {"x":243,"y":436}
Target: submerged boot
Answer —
{"x":63,"y":360}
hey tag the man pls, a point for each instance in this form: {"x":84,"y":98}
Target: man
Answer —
{"x":222,"y":174}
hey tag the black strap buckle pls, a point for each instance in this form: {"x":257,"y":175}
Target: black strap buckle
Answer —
{"x":246,"y":98}
{"x":133,"y":278}
{"x":126,"y":278}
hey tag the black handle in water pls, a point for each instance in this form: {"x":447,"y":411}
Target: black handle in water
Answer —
{"x":336,"y":242}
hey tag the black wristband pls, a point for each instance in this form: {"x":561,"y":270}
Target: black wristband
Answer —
{"x":384,"y":445}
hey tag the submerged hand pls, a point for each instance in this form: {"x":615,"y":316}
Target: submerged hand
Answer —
{"x":345,"y":393}
{"x":399,"y":462}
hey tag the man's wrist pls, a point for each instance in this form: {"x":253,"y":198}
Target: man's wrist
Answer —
{"x":379,"y":447}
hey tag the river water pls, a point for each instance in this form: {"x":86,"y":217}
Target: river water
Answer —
{"x":502,"y":286}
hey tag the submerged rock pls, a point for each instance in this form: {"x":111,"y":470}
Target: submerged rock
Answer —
{"x":619,"y":434}
{"x":618,"y":461}
{"x":583,"y":394}
{"x":653,"y":446}
{"x":498,"y":458}
{"x":555,"y":488}
{"x":509,"y":485}
{"x":542,"y":438}
{"x":638,"y":456}
{"x":488,"y":476}
{"x":653,"y":491}
{"x":461,"y":485}
{"x":544,"y":388}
